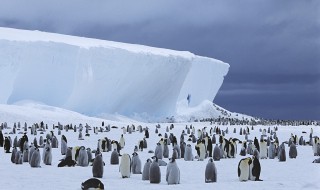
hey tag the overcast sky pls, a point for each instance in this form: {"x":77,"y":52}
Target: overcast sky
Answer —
{"x":273,"y":47}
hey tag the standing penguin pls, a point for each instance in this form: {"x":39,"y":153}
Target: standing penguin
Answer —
{"x":83,"y":157}
{"x":1,"y":138}
{"x":173,"y":172}
{"x":263,"y":149}
{"x":211,"y":172}
{"x":146,"y":168}
{"x":177,"y":148}
{"x":114,"y":159}
{"x":188,"y":156}
{"x":125,"y":166}
{"x":154,"y":172}
{"x":116,"y":145}
{"x":35,"y":159}
{"x":256,"y":143}
{"x":7,"y":145}
{"x":158,"y":151}
{"x":243,"y":169}
{"x":256,"y":169}
{"x":26,"y":155}
{"x":293,"y":153}
{"x":282,"y":153}
{"x":47,"y":158}
{"x":271,"y":150}
{"x":136,"y":164}
{"x":202,"y":150}
{"x":18,"y":157}
{"x":13,"y":154}
{"x":122,"y":141}
{"x":216,"y":153}
{"x":97,"y":167}
{"x":165,"y":149}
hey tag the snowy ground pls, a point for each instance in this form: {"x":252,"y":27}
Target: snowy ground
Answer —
{"x":298,"y":173}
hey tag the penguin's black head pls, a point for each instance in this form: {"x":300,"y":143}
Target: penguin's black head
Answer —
{"x":134,"y":154}
{"x":155,"y":158}
{"x":210,"y":160}
{"x":172,"y":159}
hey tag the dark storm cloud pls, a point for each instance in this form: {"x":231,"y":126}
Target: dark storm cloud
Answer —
{"x":271,"y":46}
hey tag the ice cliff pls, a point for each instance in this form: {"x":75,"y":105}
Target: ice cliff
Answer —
{"x":95,"y":76}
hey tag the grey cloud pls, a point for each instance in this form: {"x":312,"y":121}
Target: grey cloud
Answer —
{"x":273,"y":47}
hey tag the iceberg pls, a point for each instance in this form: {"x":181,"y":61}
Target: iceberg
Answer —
{"x":94,"y":76}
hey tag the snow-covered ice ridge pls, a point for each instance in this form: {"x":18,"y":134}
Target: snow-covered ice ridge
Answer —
{"x":94,"y":76}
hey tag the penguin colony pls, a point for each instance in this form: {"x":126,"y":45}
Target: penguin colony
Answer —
{"x":209,"y":145}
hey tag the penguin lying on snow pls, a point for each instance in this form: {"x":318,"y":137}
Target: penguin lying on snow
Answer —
{"x":92,"y":183}
{"x":316,"y":160}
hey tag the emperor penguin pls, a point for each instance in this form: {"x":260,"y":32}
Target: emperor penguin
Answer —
{"x":54,"y":142}
{"x":183,"y":149}
{"x":146,"y":168}
{"x":7,"y":145}
{"x":125,"y":166}
{"x":263,"y":149}
{"x":177,"y":148}
{"x":282,"y":153}
{"x":114,"y":159}
{"x":271,"y":150}
{"x":165,"y":149}
{"x":202,"y":151}
{"x":97,"y":166}
{"x":146,"y":133}
{"x":316,"y":143}
{"x":256,"y":169}
{"x":122,"y":141}
{"x":13,"y":154}
{"x":89,"y":154}
{"x":26,"y":155}
{"x":116,"y":145}
{"x":173,"y":172}
{"x":35,"y":159}
{"x":75,"y":152}
{"x":18,"y":157}
{"x":154,"y":172}
{"x":211,"y":172}
{"x":92,"y":183}
{"x":188,"y":156}
{"x":64,"y":145}
{"x":31,"y":150}
{"x":145,"y":144}
{"x":47,"y":158}
{"x":244,"y":169}
{"x":136,"y":164}
{"x":1,"y":139}
{"x":256,"y":143}
{"x":293,"y":153}
{"x":158,"y":151}
{"x":83,"y":157}
{"x":216,"y":153}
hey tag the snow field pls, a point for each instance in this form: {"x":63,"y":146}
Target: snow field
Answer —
{"x":298,"y":173}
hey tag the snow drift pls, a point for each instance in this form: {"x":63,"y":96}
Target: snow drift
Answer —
{"x":95,"y":76}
